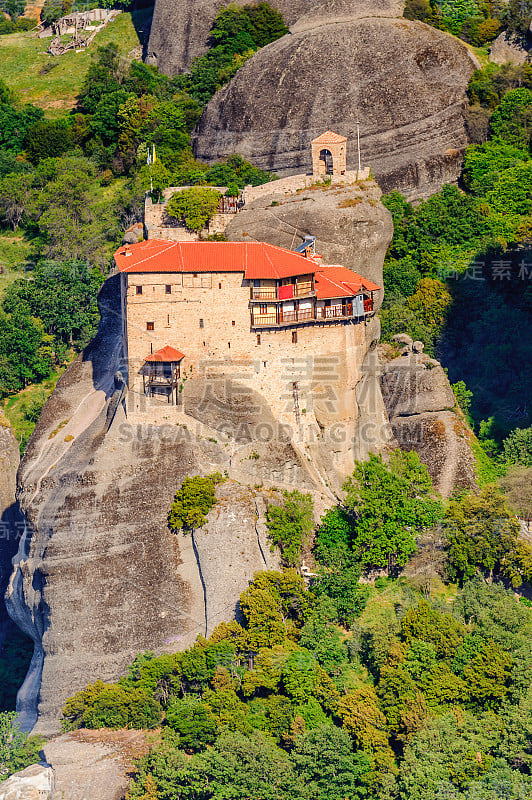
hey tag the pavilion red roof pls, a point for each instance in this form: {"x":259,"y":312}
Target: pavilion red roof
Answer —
{"x":329,"y":137}
{"x":166,"y":353}
{"x":254,"y":259}
{"x":333,"y":281}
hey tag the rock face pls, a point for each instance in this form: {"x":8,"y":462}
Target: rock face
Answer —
{"x":508,"y":50}
{"x":93,"y":764}
{"x":293,"y":89}
{"x":420,"y":404}
{"x":180,"y":31}
{"x":11,"y":524}
{"x":33,"y":783}
{"x":98,"y":576}
{"x":350,"y":225}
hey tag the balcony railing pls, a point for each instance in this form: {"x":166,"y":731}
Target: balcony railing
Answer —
{"x":344,"y":311}
{"x":285,"y":292}
{"x":263,"y":294}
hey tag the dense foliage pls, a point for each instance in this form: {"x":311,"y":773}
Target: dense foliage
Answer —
{"x":290,"y":525}
{"x":194,"y":207}
{"x":193,"y":501}
{"x":289,"y":704}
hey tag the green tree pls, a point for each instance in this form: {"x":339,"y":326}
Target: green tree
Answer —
{"x":12,"y":742}
{"x":517,"y":447}
{"x":194,"y":722}
{"x":480,"y":532}
{"x":424,"y":623}
{"x":63,"y":295}
{"x":390,"y":504}
{"x":512,"y":118}
{"x":16,"y":195}
{"x":241,"y":767}
{"x":195,"y":207}
{"x":290,"y":525}
{"x":192,"y":503}
{"x":487,"y":676}
{"x":325,"y":762}
{"x":333,"y":536}
{"x":274,"y":607}
{"x":47,"y":139}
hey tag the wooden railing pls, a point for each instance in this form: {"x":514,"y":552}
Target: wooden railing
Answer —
{"x":344,"y":311}
{"x":263,"y":294}
{"x":270,"y":293}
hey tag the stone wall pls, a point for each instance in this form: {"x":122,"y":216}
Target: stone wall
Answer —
{"x":158,"y":225}
{"x":207,"y":317}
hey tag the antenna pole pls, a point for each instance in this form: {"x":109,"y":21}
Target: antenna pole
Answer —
{"x":358,"y":147}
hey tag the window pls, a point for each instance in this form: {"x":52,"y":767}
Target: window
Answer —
{"x":201,"y":323}
{"x":138,"y":289}
{"x":219,"y":286}
{"x":263,"y":308}
{"x":149,"y":326}
{"x":168,"y":289}
{"x":294,"y":337}
{"x":258,"y":338}
{"x":195,"y":275}
{"x":229,"y":345}
{"x":233,"y":322}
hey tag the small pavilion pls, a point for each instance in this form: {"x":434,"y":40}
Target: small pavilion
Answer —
{"x":161,"y":373}
{"x":329,"y":154}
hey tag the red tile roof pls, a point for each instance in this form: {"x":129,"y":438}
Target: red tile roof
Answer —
{"x":340,"y":282}
{"x":254,"y":259}
{"x":166,"y":353}
{"x":329,"y":137}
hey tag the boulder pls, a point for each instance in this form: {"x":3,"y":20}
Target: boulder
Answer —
{"x":93,"y":765}
{"x":421,"y":408}
{"x":292,"y":90}
{"x":180,"y":31}
{"x":508,"y":49}
{"x":33,"y":783}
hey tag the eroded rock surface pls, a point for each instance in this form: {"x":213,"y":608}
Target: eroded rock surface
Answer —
{"x":421,"y":407}
{"x":98,"y":576}
{"x":33,"y":783}
{"x":180,"y":30}
{"x":508,"y":50}
{"x":93,"y":765}
{"x":404,"y":81}
{"x":11,"y":524}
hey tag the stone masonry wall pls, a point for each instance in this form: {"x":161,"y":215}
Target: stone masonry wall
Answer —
{"x":158,"y":226}
{"x":211,"y":326}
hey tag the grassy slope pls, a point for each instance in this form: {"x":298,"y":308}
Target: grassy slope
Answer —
{"x":22,"y":57}
{"x":16,"y":406}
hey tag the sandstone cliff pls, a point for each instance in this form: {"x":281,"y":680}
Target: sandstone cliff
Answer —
{"x":98,"y":576}
{"x":10,"y":521}
{"x":421,"y":408}
{"x":404,"y":81}
{"x":180,"y":31}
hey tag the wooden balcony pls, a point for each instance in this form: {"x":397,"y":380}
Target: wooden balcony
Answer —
{"x":287,"y":292}
{"x":297,"y":317}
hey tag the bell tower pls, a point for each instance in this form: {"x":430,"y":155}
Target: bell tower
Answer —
{"x":329,"y":154}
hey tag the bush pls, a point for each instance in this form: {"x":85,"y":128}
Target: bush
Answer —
{"x":195,"y":207}
{"x":517,"y":447}
{"x":192,"y":503}
{"x":289,"y":526}
{"x":107,"y":705}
